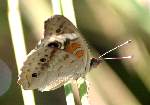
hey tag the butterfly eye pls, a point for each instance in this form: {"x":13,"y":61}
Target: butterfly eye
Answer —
{"x":55,"y":44}
{"x":34,"y":75}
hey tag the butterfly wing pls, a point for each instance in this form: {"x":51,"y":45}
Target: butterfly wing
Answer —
{"x":58,"y":25}
{"x":49,"y":66}
{"x":61,"y":26}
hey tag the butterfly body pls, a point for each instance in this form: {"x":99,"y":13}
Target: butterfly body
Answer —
{"x":62,"y":55}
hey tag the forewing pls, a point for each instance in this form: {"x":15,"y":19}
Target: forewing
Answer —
{"x":57,"y":25}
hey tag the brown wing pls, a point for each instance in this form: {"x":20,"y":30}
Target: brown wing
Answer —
{"x":57,"y":25}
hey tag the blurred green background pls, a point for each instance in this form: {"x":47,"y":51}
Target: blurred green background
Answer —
{"x":104,"y":24}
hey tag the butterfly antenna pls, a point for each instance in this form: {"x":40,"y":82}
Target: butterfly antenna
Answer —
{"x":95,"y":61}
{"x":128,"y":57}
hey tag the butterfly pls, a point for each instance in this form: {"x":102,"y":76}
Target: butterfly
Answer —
{"x":62,"y":55}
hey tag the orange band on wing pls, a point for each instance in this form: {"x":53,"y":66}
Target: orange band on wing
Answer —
{"x":73,"y":47}
{"x":79,"y":53}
